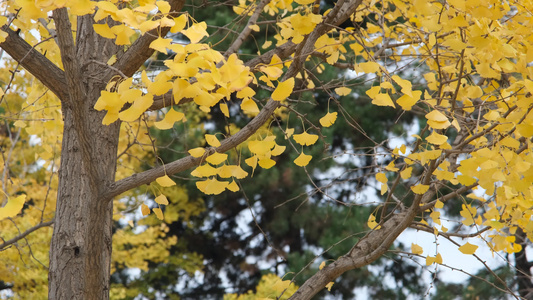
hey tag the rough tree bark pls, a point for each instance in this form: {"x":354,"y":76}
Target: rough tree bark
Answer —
{"x":80,"y":251}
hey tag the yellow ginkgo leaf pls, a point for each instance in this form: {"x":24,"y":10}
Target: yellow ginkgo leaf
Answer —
{"x":211,"y":186}
{"x":216,"y":158}
{"x":204,"y":171}
{"x":158,"y":213}
{"x":343,"y":91}
{"x":20,"y":124}
{"x":381,"y":177}
{"x":289,"y":132}
{"x":252,"y":161}
{"x":406,"y":174}
{"x":437,"y":139}
{"x":212,"y":140}
{"x":165,"y":181}
{"x":179,"y":23}
{"x":12,"y":207}
{"x":283,"y":90}
{"x":145,"y":210}
{"x":437,"y":120}
{"x":329,"y":285}
{"x":329,"y":119}
{"x":266,"y":44}
{"x":224,"y":109}
{"x":369,"y":67}
{"x":266,"y":162}
{"x":420,"y":189}
{"x":382,"y":100}
{"x":406,"y":85}
{"x":278,"y":150}
{"x":160,"y":44}
{"x":415,"y":249}
{"x":407,"y":101}
{"x":161,"y":199}
{"x":322,"y":265}
{"x":233,"y":187}
{"x":303,"y":160}
{"x":272,"y":72}
{"x":281,"y":285}
{"x":197,"y":152}
{"x":249,"y":106}
{"x":104,"y":30}
{"x":305,"y":139}
{"x":163,"y":6}
{"x":468,"y":248}
{"x":254,"y":27}
{"x":170,"y":118}
{"x":372,"y":224}
{"x":261,"y":147}
{"x":196,"y":32}
{"x":227,"y":171}
{"x":439,"y":204}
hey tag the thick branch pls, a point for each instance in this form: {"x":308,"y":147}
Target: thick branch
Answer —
{"x":25,"y":233}
{"x":129,"y":62}
{"x":35,"y":63}
{"x":188,"y":162}
{"x":366,"y":251}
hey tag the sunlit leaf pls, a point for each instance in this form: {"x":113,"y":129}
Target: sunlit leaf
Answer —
{"x":329,"y":119}
{"x":161,"y":199}
{"x":158,"y":213}
{"x":283,"y":90}
{"x":197,"y":152}
{"x":303,"y":160}
{"x":12,"y":207}
{"x":211,"y":186}
{"x":420,"y":189}
{"x":212,"y":140}
{"x":468,"y":248}
{"x":165,"y":181}
{"x":305,"y":139}
{"x":145,"y":210}
{"x":416,"y":249}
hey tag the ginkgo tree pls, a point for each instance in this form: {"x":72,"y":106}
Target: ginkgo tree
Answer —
{"x":475,"y":144}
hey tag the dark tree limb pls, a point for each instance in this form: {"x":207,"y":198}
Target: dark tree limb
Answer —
{"x":136,"y":55}
{"x":34,"y":62}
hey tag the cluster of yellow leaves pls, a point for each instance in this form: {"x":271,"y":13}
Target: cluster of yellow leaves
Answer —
{"x":480,"y":38}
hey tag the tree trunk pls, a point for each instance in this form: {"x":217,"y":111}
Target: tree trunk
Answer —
{"x":80,"y":251}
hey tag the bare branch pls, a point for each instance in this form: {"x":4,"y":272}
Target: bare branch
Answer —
{"x":25,"y":233}
{"x":247,"y":29}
